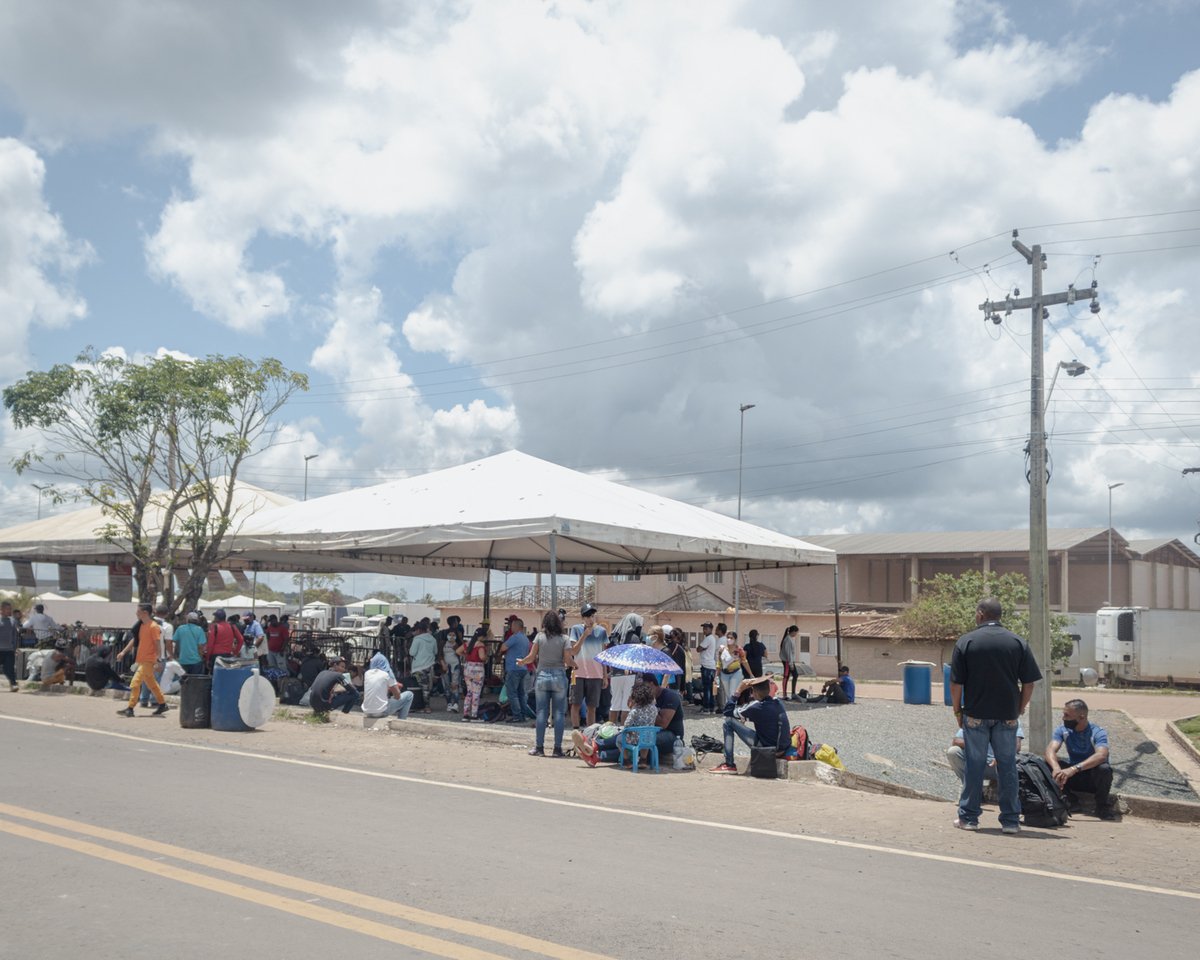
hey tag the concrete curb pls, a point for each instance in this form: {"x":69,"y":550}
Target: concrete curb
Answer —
{"x":1169,"y":811}
{"x":1181,"y":738}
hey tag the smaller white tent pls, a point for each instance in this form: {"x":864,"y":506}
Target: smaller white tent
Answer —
{"x":240,"y":604}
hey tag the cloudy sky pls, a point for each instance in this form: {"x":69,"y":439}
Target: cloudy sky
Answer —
{"x":591,"y":230}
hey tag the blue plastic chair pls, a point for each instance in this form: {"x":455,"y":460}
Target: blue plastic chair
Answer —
{"x":643,"y":738}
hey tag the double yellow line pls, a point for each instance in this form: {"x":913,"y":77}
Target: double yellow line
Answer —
{"x":437,"y":946}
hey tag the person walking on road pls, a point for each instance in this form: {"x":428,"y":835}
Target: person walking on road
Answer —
{"x":146,"y":644}
{"x":992,"y":675}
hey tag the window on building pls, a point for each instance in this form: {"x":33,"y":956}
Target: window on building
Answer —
{"x":805,"y":643}
{"x":676,"y":578}
{"x":716,"y":576}
{"x":827,"y":646}
{"x":626,"y":577}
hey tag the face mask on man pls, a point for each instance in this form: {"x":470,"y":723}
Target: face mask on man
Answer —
{"x":1070,"y":724}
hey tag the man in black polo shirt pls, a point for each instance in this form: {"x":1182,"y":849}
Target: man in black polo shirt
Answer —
{"x":992,"y":674}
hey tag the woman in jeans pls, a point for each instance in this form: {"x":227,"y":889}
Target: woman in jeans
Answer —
{"x":731,"y":660}
{"x":551,"y":651}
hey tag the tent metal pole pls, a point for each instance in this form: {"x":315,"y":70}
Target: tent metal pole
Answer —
{"x":553,"y":571}
{"x":487,"y":597}
{"x":837,"y":618}
{"x":254,"y":593}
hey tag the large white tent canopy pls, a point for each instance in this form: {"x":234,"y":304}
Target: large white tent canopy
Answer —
{"x":78,"y":535}
{"x":511,"y":512}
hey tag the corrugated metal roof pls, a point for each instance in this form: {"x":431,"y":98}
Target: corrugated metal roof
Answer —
{"x":880,"y":628}
{"x":1145,"y":547}
{"x":953,"y":541}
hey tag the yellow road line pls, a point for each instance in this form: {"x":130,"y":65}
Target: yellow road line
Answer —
{"x":639,"y":814}
{"x":307,"y":911}
{"x":400,"y":911}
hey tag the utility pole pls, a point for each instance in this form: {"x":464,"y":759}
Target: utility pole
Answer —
{"x":737,"y":575}
{"x":1040,"y":726}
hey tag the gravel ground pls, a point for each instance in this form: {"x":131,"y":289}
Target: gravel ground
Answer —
{"x":906,"y":744}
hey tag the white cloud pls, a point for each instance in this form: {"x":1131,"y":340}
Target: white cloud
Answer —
{"x":37,"y":257}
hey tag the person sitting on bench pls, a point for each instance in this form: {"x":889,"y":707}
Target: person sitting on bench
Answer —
{"x":1088,"y":769}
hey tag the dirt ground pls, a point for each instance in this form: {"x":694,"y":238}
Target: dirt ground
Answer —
{"x":1131,"y":850}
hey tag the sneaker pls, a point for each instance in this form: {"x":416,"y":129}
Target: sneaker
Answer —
{"x":127,"y":712}
{"x":558,"y":754}
{"x":724,"y":768}
{"x":1010,"y":828}
{"x":452,"y":708}
{"x":537,"y":752}
{"x":159,"y":710}
{"x":965,"y":825}
{"x":13,"y":688}
{"x":1107,"y":813}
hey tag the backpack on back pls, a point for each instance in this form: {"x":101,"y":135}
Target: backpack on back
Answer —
{"x":1042,"y":803}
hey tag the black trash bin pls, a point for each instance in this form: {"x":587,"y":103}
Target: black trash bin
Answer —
{"x":195,"y":700}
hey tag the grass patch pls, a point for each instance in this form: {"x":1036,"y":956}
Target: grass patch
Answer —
{"x":317,"y":718}
{"x":1191,"y":729}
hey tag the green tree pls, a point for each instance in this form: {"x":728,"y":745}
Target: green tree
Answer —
{"x":945,"y":609}
{"x":321,"y":588}
{"x":157,"y":443}
{"x":399,"y":596}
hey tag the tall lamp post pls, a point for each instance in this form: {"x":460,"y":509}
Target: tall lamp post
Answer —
{"x":40,"y":488}
{"x":300,"y":612}
{"x":1111,"y":488}
{"x":737,"y":577}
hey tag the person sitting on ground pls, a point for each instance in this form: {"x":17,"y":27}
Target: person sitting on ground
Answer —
{"x":1088,"y":770}
{"x":383,"y":695}
{"x":642,"y":713}
{"x":331,"y":690}
{"x":755,"y":651}
{"x":768,"y":716}
{"x":99,"y":673}
{"x":957,"y":758}
{"x":312,"y":664}
{"x":57,"y":666}
{"x":838,"y":691}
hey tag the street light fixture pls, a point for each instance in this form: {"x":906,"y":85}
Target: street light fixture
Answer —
{"x":1111,"y":488}
{"x":300,"y":612}
{"x":40,"y":488}
{"x":1074,"y":369}
{"x":737,"y":577}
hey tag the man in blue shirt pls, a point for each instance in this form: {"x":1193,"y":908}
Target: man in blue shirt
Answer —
{"x":515,"y":648}
{"x":768,"y":717}
{"x":190,"y":645}
{"x":837,"y":691}
{"x":1088,"y":769}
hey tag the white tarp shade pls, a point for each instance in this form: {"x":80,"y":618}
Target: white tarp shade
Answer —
{"x":505,"y":513}
{"x":77,"y":536}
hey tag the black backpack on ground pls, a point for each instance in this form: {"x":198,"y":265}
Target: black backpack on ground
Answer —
{"x":1042,"y":803}
{"x":291,"y":690}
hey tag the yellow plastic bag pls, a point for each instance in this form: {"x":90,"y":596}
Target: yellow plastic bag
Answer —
{"x":826,"y":754}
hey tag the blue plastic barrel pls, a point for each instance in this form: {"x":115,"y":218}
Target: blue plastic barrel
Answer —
{"x":918,"y":683}
{"x":946,"y":685}
{"x":226,"y":685}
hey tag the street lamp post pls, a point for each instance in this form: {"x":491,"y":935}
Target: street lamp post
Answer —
{"x":300,"y":612}
{"x":737,"y":577}
{"x":1111,"y":488}
{"x":40,"y":488}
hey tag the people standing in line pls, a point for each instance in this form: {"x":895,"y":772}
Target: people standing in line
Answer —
{"x":552,"y":655}
{"x":516,"y":647}
{"x":588,"y":640}
{"x":278,"y":638}
{"x":146,"y":644}
{"x":706,"y":647}
{"x":190,"y":645}
{"x":449,"y":640}
{"x":224,"y":639}
{"x":1086,"y":768}
{"x":787,"y":653}
{"x":423,"y":651}
{"x":755,"y":651}
{"x":474,"y":658}
{"x":10,"y":642}
{"x":992,"y":676}
{"x":41,"y":624}
{"x":676,"y":649}
{"x":732,"y":662}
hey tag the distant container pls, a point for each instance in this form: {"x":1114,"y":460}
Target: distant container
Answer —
{"x":918,"y":681}
{"x":195,"y":700}
{"x":946,"y":698}
{"x":226,"y":687}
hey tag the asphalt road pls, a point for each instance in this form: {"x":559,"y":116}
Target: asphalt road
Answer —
{"x":121,"y":847}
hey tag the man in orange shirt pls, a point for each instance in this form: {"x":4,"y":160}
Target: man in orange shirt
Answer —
{"x":146,"y":643}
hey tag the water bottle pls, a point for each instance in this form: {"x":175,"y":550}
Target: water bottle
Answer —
{"x":677,"y":753}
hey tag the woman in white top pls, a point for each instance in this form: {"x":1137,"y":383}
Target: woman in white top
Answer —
{"x":730,"y":661}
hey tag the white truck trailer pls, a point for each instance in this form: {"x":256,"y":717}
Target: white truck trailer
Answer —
{"x":1136,"y":645}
